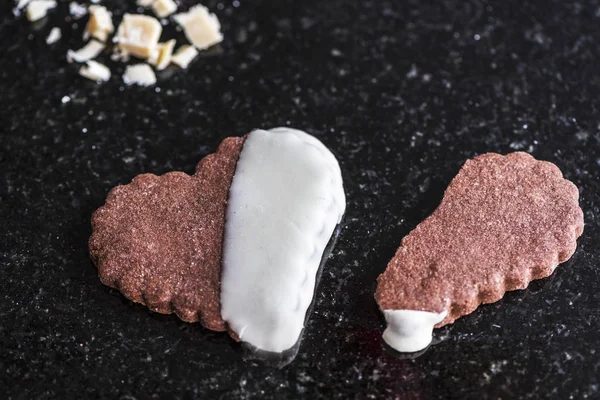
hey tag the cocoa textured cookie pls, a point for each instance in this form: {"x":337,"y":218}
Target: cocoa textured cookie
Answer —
{"x":235,"y":246}
{"x":159,"y":239}
{"x":503,"y":221}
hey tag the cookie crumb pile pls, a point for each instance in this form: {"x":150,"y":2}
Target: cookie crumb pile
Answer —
{"x":137,"y":35}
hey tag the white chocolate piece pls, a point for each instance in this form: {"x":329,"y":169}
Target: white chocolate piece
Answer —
{"x":410,"y":330}
{"x":77,"y":10}
{"x":144,"y":3}
{"x":184,"y":56}
{"x":140,"y":74}
{"x":164,"y":8}
{"x":38,"y":9}
{"x":119,"y":54}
{"x":162,"y":55}
{"x":100,"y":24}
{"x":201,"y":27}
{"x":21,"y":4}
{"x":95,"y":71}
{"x":138,"y":34}
{"x":54,"y":36}
{"x":87,"y":52}
{"x":285,"y":201}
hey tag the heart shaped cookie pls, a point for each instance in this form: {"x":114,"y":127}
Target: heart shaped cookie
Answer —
{"x":235,"y":246}
{"x":503,"y":221}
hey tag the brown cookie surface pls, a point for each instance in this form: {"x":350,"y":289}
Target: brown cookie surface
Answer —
{"x":159,"y":239}
{"x":503,"y":221}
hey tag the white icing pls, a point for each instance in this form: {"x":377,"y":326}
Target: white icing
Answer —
{"x":410,"y":330}
{"x":285,"y":201}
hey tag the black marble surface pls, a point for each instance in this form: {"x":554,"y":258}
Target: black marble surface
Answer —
{"x":403,"y":92}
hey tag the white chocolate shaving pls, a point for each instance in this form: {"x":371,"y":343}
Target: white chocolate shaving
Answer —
{"x":201,"y":27}
{"x":162,"y":55}
{"x":87,"y":52}
{"x":119,"y":55}
{"x":184,"y":56}
{"x":54,"y":36}
{"x":77,"y":10}
{"x":95,"y":71}
{"x":140,"y":74}
{"x":138,"y":34}
{"x":20,"y":5}
{"x":164,"y":8}
{"x":144,"y":3}
{"x":38,"y":9}
{"x":100,"y":24}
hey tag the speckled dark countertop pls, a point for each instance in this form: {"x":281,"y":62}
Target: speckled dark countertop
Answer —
{"x":403,"y":92}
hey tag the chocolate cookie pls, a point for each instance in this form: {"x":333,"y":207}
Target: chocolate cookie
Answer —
{"x":159,"y":239}
{"x":503,"y":221}
{"x":237,"y":246}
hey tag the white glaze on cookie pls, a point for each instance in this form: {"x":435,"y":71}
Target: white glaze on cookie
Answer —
{"x":285,"y":201}
{"x":410,"y":330}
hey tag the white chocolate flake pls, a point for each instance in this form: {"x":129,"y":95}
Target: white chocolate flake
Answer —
{"x":95,"y":71}
{"x":164,"y":8}
{"x":138,"y":35}
{"x":162,"y":55}
{"x":184,"y":56}
{"x":38,"y":9}
{"x":54,"y":36}
{"x":100,"y":24}
{"x":144,"y":3}
{"x":87,"y":52}
{"x":140,"y":74}
{"x":201,"y":27}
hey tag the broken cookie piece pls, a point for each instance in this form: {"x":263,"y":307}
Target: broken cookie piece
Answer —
{"x":503,"y":221}
{"x":235,"y":246}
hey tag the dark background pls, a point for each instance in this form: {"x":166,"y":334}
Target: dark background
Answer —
{"x":403,"y":92}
